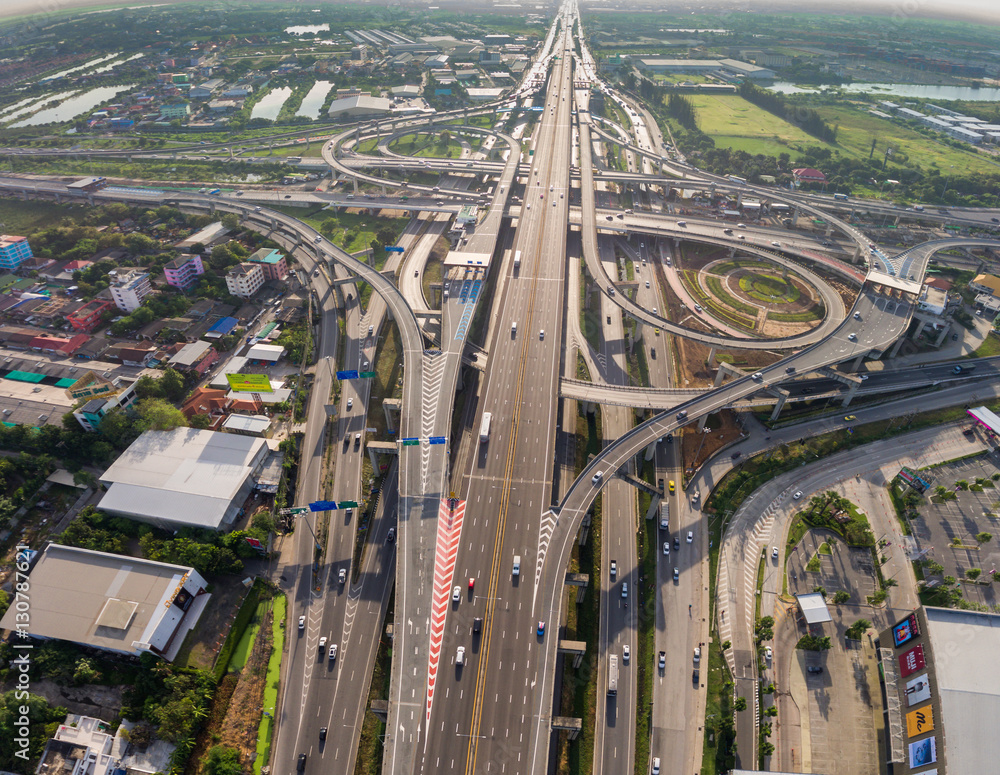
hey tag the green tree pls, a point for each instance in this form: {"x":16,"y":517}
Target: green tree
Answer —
{"x":231,"y":221}
{"x":12,"y":708}
{"x":155,"y":414}
{"x":859,"y":628}
{"x":222,"y":760}
{"x":201,"y":421}
{"x":764,"y":630}
{"x":740,"y":704}
{"x":4,"y":603}
{"x":973,"y":573}
{"x":984,"y":537}
{"x":840,"y":597}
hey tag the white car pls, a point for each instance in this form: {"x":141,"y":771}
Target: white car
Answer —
{"x":322,"y":643}
{"x":333,"y":652}
{"x":666,"y":547}
{"x":690,"y":536}
{"x":774,"y":552}
{"x":767,"y":653}
{"x":797,"y":495}
{"x":656,"y":765}
{"x":302,"y":623}
{"x":456,"y":594}
{"x":350,"y":403}
{"x":624,"y":589}
{"x":626,"y":653}
{"x":697,"y":653}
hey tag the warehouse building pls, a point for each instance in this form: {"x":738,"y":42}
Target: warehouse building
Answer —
{"x":126,"y":605}
{"x":184,"y":478}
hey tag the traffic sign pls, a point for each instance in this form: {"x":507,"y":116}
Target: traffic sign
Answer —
{"x":437,"y":439}
{"x":366,"y":374}
{"x":349,"y":374}
{"x":294,"y":512}
{"x":411,"y":442}
{"x":393,"y":249}
{"x":348,"y":504}
{"x":322,"y":505}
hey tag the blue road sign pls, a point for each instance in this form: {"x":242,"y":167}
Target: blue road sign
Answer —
{"x":350,"y":374}
{"x":393,"y":249}
{"x":436,"y":440}
{"x":323,"y":506}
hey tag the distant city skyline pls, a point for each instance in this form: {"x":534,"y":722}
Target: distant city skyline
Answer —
{"x":981,"y":11}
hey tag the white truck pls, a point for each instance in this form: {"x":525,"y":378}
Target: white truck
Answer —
{"x":664,"y":516}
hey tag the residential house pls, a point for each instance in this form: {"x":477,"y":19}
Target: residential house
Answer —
{"x":87,"y":317}
{"x":986,"y":283}
{"x":194,"y":356}
{"x":14,"y":251}
{"x":129,"y":288}
{"x":58,"y":345}
{"x":244,"y":280}
{"x":184,"y":270}
{"x":272,"y":262}
{"x":138,"y":355}
{"x":91,"y":413}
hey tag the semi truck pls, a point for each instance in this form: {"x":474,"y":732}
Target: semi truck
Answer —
{"x":484,"y":429}
{"x":664,"y":516}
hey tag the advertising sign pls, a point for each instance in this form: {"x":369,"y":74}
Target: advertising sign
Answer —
{"x":923,"y":752}
{"x":911,"y":661}
{"x":249,"y":383}
{"x":919,"y":721}
{"x":906,"y":630}
{"x":918,"y":690}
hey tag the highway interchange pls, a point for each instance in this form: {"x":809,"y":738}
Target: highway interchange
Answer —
{"x":464,"y":511}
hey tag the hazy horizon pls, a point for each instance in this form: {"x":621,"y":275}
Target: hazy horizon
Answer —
{"x":980,"y":11}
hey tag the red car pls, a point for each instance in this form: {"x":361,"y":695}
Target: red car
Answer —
{"x":472,"y":584}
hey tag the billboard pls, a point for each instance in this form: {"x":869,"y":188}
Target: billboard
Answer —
{"x":923,"y":752}
{"x":918,"y":690}
{"x":906,"y":630}
{"x":249,"y":383}
{"x":911,"y":661}
{"x":919,"y":721}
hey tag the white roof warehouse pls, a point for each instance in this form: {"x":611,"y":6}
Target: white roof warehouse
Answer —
{"x":184,"y":478}
{"x":108,"y":601}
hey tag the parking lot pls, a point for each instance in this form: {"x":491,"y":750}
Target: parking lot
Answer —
{"x":971,"y":513}
{"x":845,"y":568}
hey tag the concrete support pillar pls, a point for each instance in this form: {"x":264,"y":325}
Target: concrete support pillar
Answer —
{"x":274,"y":224}
{"x":650,"y":450}
{"x":719,"y":376}
{"x":739,"y":200}
{"x":577,"y":661}
{"x":895,"y":347}
{"x":782,"y":397}
{"x":384,"y":191}
{"x":585,"y":529}
{"x":921,"y":325}
{"x":58,"y":198}
{"x":795,"y":218}
{"x":732,"y":251}
{"x":355,"y":181}
{"x":711,"y":357}
{"x":941,"y":336}
{"x":858,"y":362}
{"x":856,"y":258}
{"x":850,"y":393}
{"x":373,"y":458}
{"x":702,"y":420}
{"x":391,"y":410}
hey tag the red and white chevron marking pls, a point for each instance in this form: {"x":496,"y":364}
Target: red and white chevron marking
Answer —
{"x":448,"y":534}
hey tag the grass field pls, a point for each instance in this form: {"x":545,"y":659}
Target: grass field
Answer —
{"x":736,"y":123}
{"x":20,"y":217}
{"x":857,"y":128}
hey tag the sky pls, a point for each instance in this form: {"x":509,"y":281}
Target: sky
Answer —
{"x":982,"y":11}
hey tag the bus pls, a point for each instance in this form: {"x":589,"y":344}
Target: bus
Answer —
{"x":841,"y":197}
{"x":613,"y":675}
{"x":484,"y":429}
{"x":517,"y":260}
{"x":741,"y":181}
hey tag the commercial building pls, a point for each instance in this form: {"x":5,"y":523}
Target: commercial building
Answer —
{"x":125,"y":605}
{"x":14,"y":251}
{"x":176,"y":110}
{"x":272,"y":262}
{"x":128,"y":289}
{"x":361,"y":105}
{"x":183,"y":478}
{"x":91,"y":413}
{"x":941,"y":688}
{"x":264,"y":354}
{"x":732,"y":67}
{"x":244,"y":280}
{"x":86,"y":318}
{"x":184,"y":270}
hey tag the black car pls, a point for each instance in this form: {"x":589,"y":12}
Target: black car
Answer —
{"x":477,"y":624}
{"x":322,"y":733}
{"x":677,"y":542}
{"x":302,"y":762}
{"x":735,"y":455}
{"x":814,"y":669}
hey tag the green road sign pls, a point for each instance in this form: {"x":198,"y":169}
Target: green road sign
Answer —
{"x":411,"y":442}
{"x":348,"y":504}
{"x":367,"y":374}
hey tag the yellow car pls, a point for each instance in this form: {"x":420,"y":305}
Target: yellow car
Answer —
{"x":850,"y":417}
{"x":672,"y":486}
{"x":656,"y":331}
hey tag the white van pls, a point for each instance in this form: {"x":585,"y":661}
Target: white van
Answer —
{"x":513,"y":328}
{"x":517,"y":565}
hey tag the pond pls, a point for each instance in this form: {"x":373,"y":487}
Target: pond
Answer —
{"x":314,"y":100}
{"x":270,"y":105}
{"x":925,"y":91}
{"x":306,"y":28}
{"x":113,"y":65}
{"x":76,"y":69}
{"x":69,"y":109}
